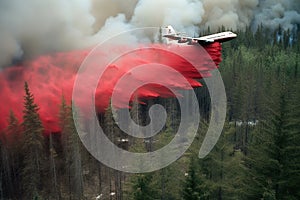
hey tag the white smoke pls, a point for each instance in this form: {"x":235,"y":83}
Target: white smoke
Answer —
{"x":33,"y":27}
{"x":38,"y":27}
{"x":182,"y":14}
{"x":272,"y":13}
{"x":232,"y":14}
{"x":104,"y":9}
{"x":112,"y":27}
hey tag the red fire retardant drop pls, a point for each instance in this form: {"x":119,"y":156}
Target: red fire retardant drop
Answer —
{"x":51,"y":76}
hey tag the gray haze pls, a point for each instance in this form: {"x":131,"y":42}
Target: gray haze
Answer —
{"x":33,"y":27}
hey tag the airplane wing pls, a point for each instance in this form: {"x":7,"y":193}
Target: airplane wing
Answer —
{"x":204,"y":40}
{"x":173,"y":37}
{"x":185,"y":39}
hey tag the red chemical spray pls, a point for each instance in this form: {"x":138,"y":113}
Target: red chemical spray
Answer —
{"x":52,"y":76}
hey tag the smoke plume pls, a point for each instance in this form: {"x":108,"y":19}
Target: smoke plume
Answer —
{"x":33,"y":27}
{"x":272,"y":13}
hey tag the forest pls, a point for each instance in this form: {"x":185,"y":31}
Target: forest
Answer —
{"x":256,"y":157}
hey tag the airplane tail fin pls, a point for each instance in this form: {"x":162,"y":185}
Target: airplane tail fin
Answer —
{"x":169,"y":30}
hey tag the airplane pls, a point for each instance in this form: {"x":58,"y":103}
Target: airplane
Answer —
{"x":179,"y":38}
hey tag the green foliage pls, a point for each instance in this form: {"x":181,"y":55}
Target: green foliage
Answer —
{"x":33,"y":147}
{"x":273,"y":163}
{"x":72,"y":153}
{"x":193,"y":188}
{"x":142,"y":188}
{"x":220,"y":171}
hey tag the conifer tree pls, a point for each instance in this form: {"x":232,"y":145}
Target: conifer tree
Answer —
{"x":33,"y":147}
{"x":113,"y":133}
{"x":273,"y":163}
{"x":13,"y":144}
{"x":71,"y":145}
{"x":55,"y":192}
{"x":220,"y":171}
{"x":293,"y":151}
{"x":6,"y":156}
{"x":5,"y":167}
{"x":142,"y":187}
{"x":193,"y":187}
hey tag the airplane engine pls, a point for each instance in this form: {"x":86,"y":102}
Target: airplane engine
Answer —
{"x":193,"y":42}
{"x":182,"y":40}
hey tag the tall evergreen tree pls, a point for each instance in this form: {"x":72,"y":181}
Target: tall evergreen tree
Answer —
{"x":142,"y":187}
{"x":293,"y":149}
{"x":273,"y":163}
{"x":33,"y":147}
{"x":114,"y":134}
{"x":13,"y":145}
{"x":220,"y":170}
{"x":72,"y":153}
{"x":54,"y":191}
{"x":194,"y":188}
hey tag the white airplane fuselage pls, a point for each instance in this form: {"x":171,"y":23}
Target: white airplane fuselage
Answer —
{"x":178,"y":38}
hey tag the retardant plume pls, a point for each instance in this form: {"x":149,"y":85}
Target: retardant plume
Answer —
{"x":52,"y":76}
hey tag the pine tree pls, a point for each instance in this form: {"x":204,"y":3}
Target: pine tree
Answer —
{"x":273,"y":163}
{"x":135,"y":113}
{"x":55,"y":192}
{"x":293,"y":150}
{"x":142,"y":187}
{"x":167,"y":181}
{"x":194,"y":188}
{"x":113,"y":133}
{"x":33,"y":147}
{"x":13,"y":144}
{"x":72,"y":153}
{"x":6,"y":178}
{"x":220,"y":170}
